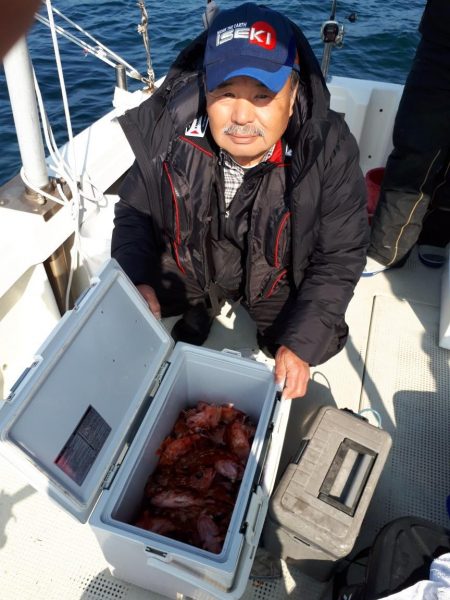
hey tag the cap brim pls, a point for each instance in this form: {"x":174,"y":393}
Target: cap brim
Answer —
{"x":273,"y":80}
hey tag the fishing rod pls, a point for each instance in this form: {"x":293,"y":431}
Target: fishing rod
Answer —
{"x":332,"y":34}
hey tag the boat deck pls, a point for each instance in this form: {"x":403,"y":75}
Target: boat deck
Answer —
{"x":392,"y":363}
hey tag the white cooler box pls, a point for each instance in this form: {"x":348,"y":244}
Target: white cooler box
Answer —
{"x":85,"y":421}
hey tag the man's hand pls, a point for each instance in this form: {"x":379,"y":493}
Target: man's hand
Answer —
{"x":293,"y":371}
{"x":149,"y":296}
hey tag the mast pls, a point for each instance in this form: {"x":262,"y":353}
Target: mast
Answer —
{"x":19,"y":79}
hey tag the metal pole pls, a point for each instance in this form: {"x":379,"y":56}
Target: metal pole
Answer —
{"x":19,"y":78}
{"x":121,"y":77}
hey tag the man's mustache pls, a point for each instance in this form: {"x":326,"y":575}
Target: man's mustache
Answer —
{"x":243,"y":130}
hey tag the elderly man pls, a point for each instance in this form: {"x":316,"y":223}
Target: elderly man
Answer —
{"x":246,"y":187}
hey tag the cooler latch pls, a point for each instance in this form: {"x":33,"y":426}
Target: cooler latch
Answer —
{"x":114,"y":469}
{"x":78,"y":302}
{"x":22,"y":377}
{"x":159,"y":377}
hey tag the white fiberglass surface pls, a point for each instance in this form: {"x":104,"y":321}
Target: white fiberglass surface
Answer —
{"x":195,"y":374}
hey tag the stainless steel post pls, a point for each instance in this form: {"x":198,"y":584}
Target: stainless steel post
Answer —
{"x":121,"y":77}
{"x":19,"y":78}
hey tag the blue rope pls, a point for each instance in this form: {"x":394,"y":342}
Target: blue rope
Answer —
{"x":374,"y":412}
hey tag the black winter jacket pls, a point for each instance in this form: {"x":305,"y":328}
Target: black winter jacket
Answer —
{"x":327,"y":198}
{"x":435,"y":22}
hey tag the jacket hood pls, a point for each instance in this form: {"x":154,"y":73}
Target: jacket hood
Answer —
{"x":313,"y":99}
{"x":181,"y":98}
{"x":185,"y":80}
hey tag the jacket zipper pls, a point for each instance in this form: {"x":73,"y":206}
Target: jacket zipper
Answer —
{"x":282,"y":225}
{"x":223,"y":208}
{"x":274,"y":284}
{"x":207,"y":253}
{"x":177,"y":237}
{"x":249,"y":255}
{"x":249,"y":244}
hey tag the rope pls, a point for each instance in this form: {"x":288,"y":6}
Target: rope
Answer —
{"x":63,"y":171}
{"x":59,"y":165}
{"x":143,"y":30}
{"x":62,"y":168}
{"x":374,"y":412}
{"x":100,"y":51}
{"x":71,"y":182}
{"x":63,"y":93}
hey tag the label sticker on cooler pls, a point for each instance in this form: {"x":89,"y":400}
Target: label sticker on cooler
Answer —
{"x":84,"y":445}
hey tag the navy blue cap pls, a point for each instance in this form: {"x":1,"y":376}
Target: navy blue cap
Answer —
{"x":250,"y":40}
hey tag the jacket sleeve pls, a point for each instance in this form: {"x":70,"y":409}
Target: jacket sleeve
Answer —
{"x":134,"y":241}
{"x":136,"y":238}
{"x":315,"y":329}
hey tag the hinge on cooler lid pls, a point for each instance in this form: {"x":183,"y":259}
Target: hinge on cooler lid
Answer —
{"x":93,"y":283}
{"x":114,"y":468}
{"x":22,"y":377}
{"x":159,"y":377}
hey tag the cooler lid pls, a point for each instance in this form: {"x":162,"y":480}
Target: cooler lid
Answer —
{"x":70,"y":414}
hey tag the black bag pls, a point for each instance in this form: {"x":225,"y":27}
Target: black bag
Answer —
{"x":400,"y":556}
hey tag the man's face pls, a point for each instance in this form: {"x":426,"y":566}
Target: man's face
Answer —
{"x":246,"y":118}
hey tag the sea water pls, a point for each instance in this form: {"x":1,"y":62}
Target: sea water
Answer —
{"x":379,"y":45}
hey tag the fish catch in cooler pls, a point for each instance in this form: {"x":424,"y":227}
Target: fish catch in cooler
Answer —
{"x":191,"y":494}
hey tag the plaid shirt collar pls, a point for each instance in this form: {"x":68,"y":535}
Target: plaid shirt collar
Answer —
{"x":233,"y":173}
{"x":229,"y":161}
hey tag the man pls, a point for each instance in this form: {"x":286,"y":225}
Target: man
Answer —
{"x":414,"y":204}
{"x":246,"y":187}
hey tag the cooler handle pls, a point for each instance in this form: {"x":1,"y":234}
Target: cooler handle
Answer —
{"x":167,"y":564}
{"x":185,"y":575}
{"x":347,"y":476}
{"x":255,"y":512}
{"x":178,"y":571}
{"x":232,"y":352}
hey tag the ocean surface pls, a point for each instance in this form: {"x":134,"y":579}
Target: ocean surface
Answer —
{"x":380,"y":45}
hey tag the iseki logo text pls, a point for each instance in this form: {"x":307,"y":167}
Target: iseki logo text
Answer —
{"x":260,"y":33}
